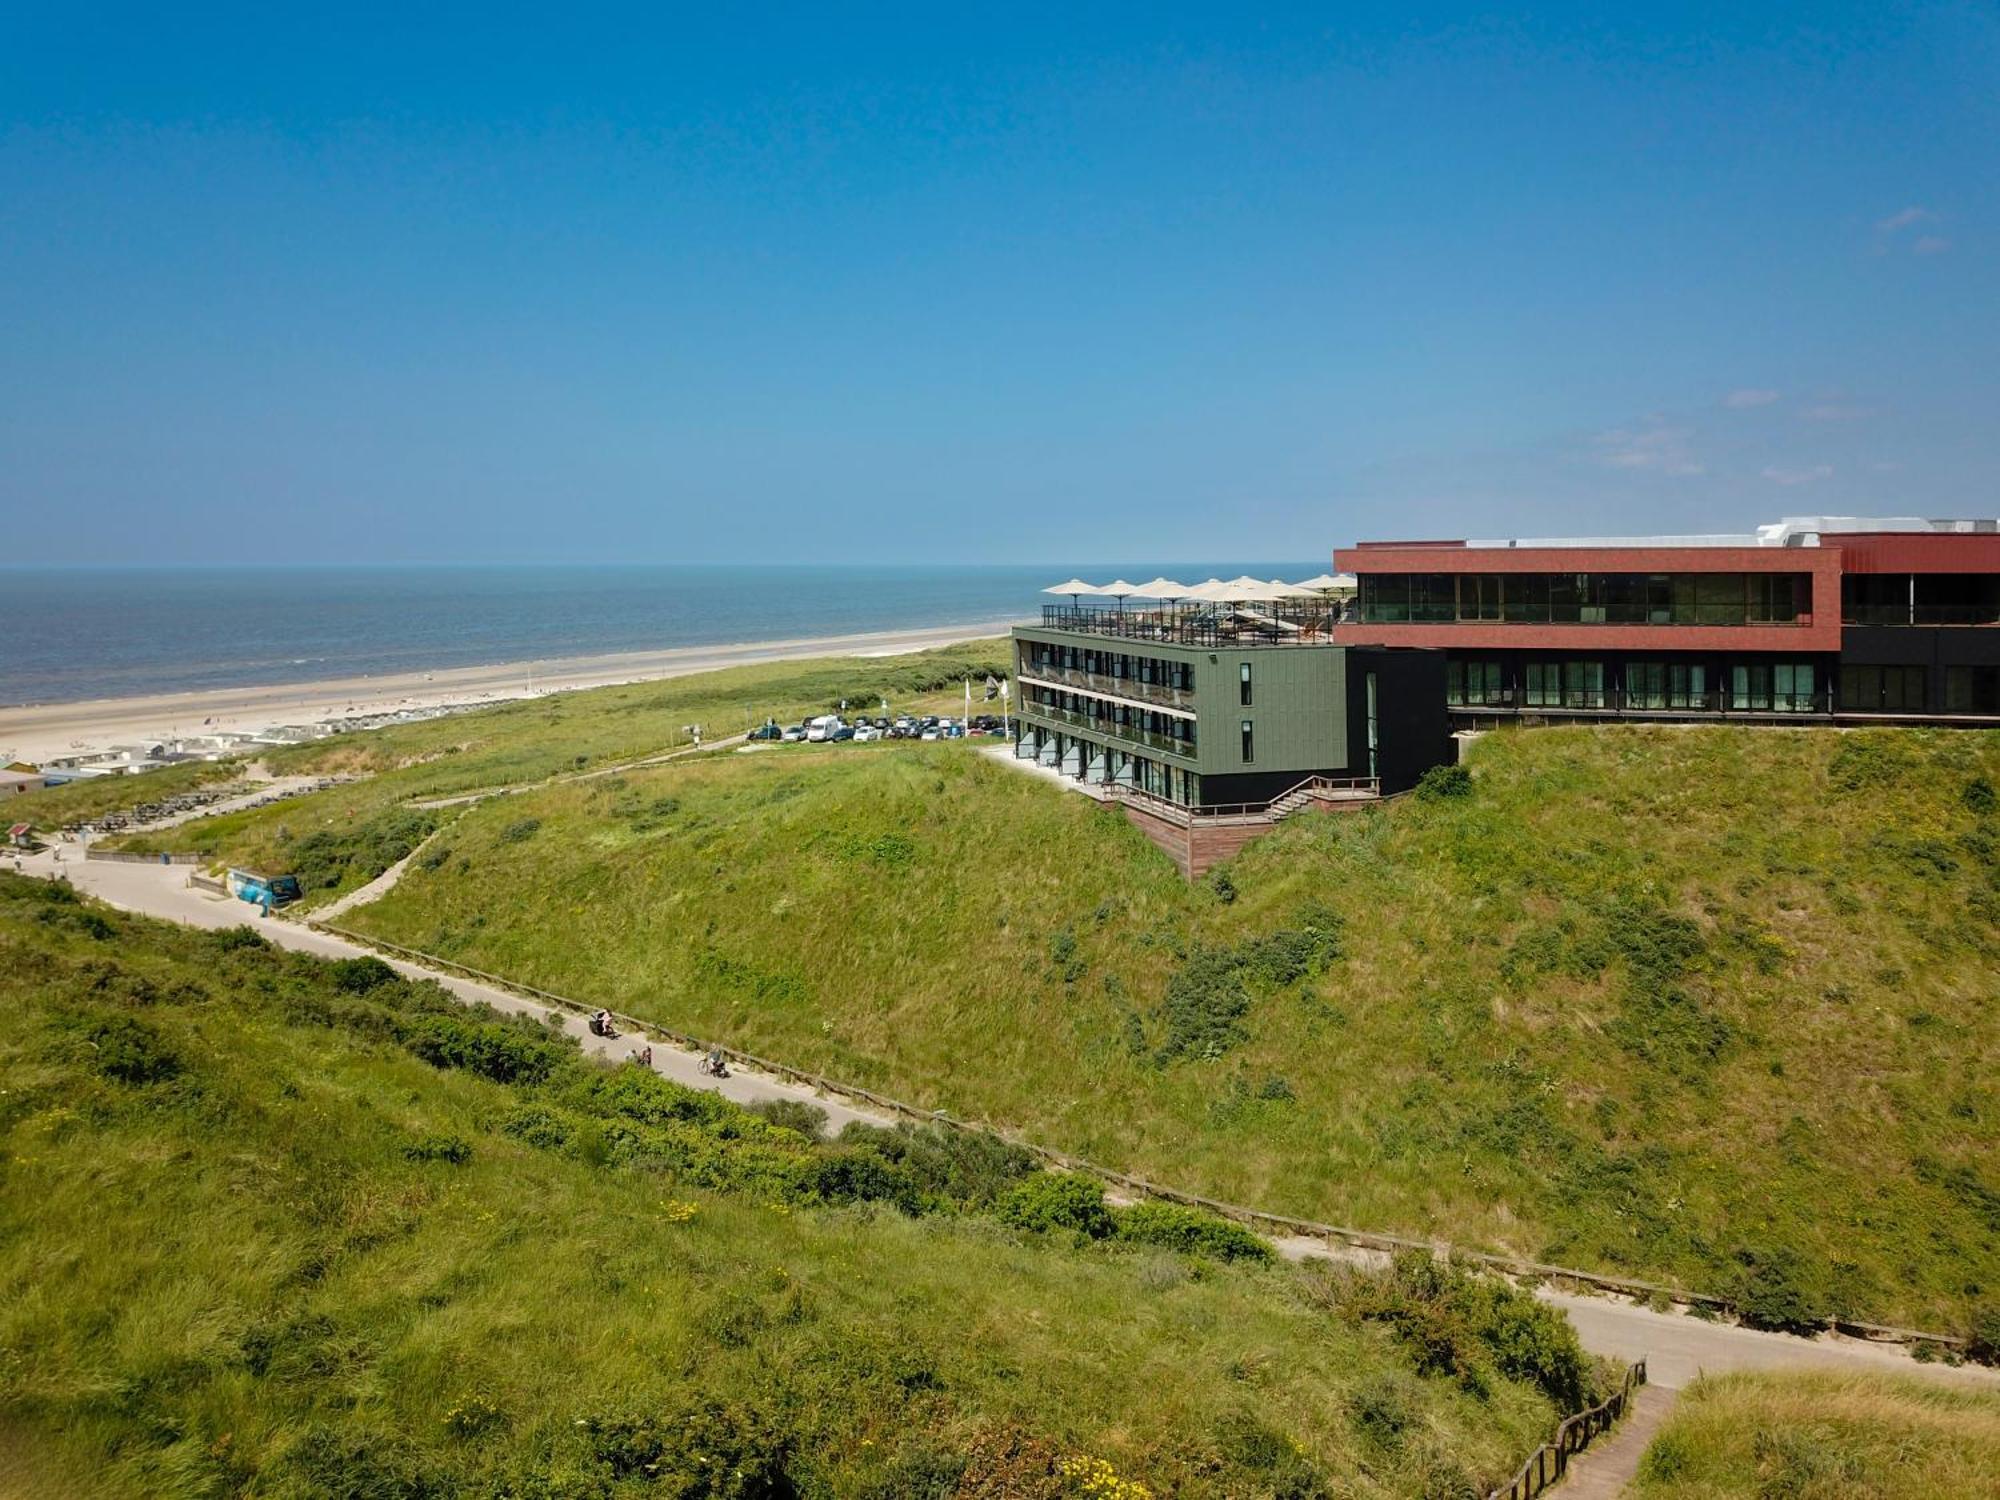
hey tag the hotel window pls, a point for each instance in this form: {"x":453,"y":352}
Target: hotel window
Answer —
{"x":1645,"y":684}
{"x":1972,"y":690}
{"x":1786,"y":687}
{"x":1473,"y":684}
{"x":1583,"y":684}
{"x":1870,"y":689}
{"x":1243,"y":683}
{"x":1792,"y":687}
{"x":1687,"y":685}
{"x":1542,"y":684}
{"x":1479,"y":596}
{"x":1249,"y":742}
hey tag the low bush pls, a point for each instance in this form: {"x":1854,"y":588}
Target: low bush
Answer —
{"x":1172,"y":1226}
{"x":956,"y":1168}
{"x":500,"y":1051}
{"x":1468,"y":1327}
{"x":1442,"y":782}
{"x":1771,"y":1291}
{"x":808,"y":1120}
{"x":445,"y":1148}
{"x":1058,"y":1200}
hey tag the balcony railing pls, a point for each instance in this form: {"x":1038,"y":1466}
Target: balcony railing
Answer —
{"x":1719,"y":701}
{"x":1165,"y":744}
{"x":1700,"y":614}
{"x":1282,"y":623}
{"x":1112,"y":686}
{"x":1922,"y":614}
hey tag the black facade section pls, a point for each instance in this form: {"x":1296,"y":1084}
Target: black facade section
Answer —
{"x":1400,"y":727}
{"x":1256,"y":788}
{"x":1960,"y":667}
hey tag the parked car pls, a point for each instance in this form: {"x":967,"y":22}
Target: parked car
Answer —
{"x":794,"y":733}
{"x":844,"y":732}
{"x":821,"y":729}
{"x":867,"y":732}
{"x":767,"y":732}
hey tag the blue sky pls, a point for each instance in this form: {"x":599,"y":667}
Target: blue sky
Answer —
{"x":839,"y":283}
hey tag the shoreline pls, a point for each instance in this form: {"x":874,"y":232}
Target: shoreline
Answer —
{"x":37,"y":732}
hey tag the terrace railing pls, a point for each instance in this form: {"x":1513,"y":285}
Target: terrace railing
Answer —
{"x":1313,"y":790}
{"x":1922,"y":614}
{"x":1720,"y":702}
{"x":1281,"y":623}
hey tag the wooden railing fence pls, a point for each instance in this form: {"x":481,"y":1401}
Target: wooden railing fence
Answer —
{"x":1550,"y":1462}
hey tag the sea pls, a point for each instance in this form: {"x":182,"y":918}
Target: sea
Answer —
{"x":69,"y":634}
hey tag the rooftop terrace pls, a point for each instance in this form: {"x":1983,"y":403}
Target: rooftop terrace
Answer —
{"x":1280,"y":622}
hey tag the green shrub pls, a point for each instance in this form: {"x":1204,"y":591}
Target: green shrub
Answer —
{"x":445,"y":1148}
{"x":1982,"y":1337}
{"x":955,"y":1168}
{"x":1771,"y":1291}
{"x":850,"y":1176}
{"x":1979,"y":795}
{"x":1440,"y":783}
{"x":520,"y":831}
{"x":326,"y":858}
{"x":502,"y":1052}
{"x":1058,"y":1200}
{"x":1172,"y":1226}
{"x":717,"y":1450}
{"x":1458,"y":1325}
{"x":123,"y":1047}
{"x":1204,"y":1006}
{"x":358,"y":976}
{"x":808,"y":1120}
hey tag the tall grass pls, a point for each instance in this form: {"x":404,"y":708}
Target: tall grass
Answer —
{"x":1712,"y":1005}
{"x":272,"y":1225}
{"x":1824,"y":1437}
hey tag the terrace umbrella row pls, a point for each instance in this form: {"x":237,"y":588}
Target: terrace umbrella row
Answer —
{"x":1243,"y":590}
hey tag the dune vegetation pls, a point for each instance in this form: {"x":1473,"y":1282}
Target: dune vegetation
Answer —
{"x":1823,"y":1437}
{"x":82,"y":801}
{"x":1713,"y":1006}
{"x":280,"y":1225}
{"x":355,"y":831}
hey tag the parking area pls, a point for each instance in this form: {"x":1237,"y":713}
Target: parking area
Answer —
{"x":864,"y":728}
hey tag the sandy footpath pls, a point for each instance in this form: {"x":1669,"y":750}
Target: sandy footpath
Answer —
{"x":38,"y":731}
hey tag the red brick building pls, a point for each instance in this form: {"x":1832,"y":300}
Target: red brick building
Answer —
{"x":1829,"y":618}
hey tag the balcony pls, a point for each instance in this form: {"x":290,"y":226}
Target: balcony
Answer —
{"x":1076,"y":680}
{"x":1719,"y":703}
{"x":1131,"y":734}
{"x":1922,"y":614}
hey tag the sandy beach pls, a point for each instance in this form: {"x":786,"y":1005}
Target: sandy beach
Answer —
{"x":38,"y":731}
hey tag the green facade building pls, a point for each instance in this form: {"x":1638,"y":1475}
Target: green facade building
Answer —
{"x":1205,"y":712}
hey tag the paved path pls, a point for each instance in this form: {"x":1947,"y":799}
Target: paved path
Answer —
{"x":1676,"y":1346}
{"x":566,"y":777}
{"x":1602,"y":1470}
{"x":162,"y":891}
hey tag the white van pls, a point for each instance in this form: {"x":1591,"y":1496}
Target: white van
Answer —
{"x":822,"y":728}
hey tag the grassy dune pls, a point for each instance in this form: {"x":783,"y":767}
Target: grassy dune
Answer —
{"x":80,"y":801}
{"x":1823,"y":1437}
{"x":1713,"y":1005}
{"x":275,"y":1225}
{"x":364,"y":826}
